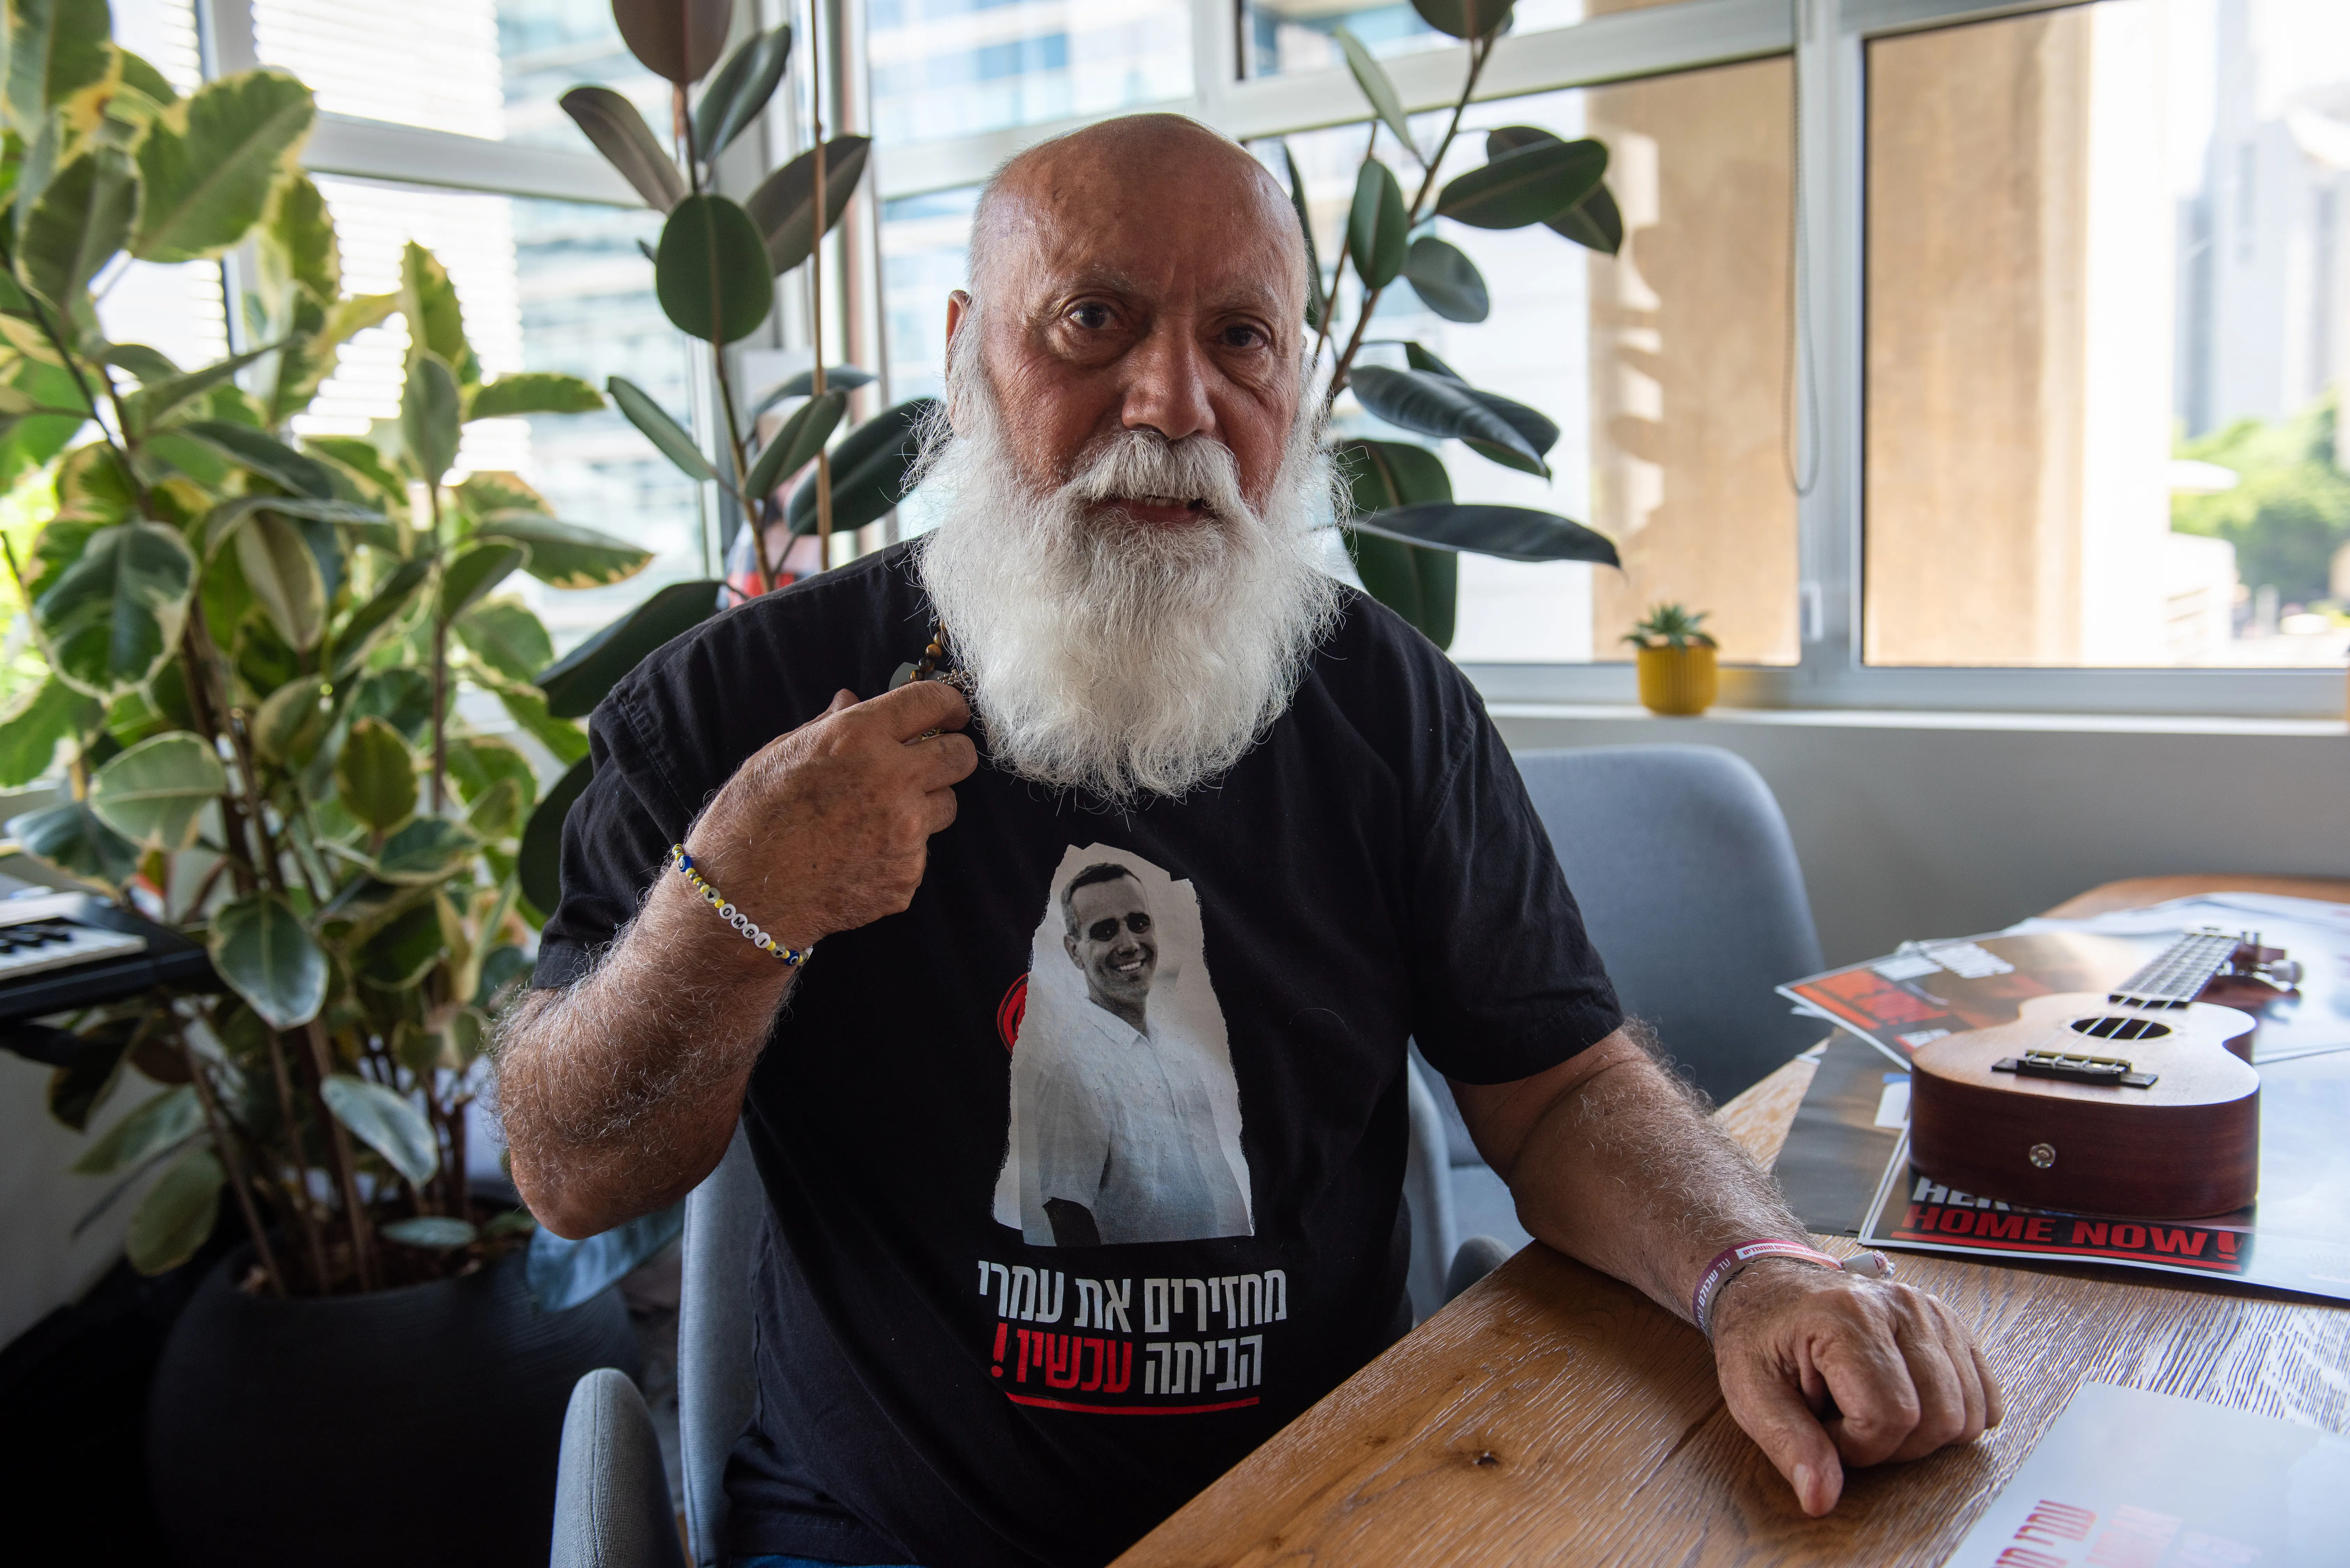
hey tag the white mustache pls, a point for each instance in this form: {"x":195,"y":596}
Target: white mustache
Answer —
{"x":1140,"y":464}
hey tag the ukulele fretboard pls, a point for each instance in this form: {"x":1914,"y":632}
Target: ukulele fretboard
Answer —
{"x":2180,"y":975}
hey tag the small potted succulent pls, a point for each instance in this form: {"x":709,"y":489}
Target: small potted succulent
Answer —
{"x":1677,"y":673}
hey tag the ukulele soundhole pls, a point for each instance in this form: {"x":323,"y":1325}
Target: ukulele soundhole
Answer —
{"x":2120,"y":1028}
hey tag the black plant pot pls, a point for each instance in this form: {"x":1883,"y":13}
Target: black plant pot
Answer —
{"x":404,"y":1427}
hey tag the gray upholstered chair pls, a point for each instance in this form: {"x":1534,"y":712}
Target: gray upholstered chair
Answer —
{"x":1689,"y":888}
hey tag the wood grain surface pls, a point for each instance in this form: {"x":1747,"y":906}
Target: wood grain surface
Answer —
{"x":2136,"y":892}
{"x":1553,"y":1415}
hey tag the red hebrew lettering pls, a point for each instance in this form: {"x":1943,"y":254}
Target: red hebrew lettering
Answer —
{"x":1025,"y":1335}
{"x":1101,"y":1349}
{"x":1117,"y":1371}
{"x":2130,"y":1238}
{"x":2055,"y":1522}
{"x":2000,"y":1226}
{"x":997,"y":1370}
{"x":1060,"y":1360}
{"x":2187,"y":1241}
{"x":2088,"y":1234}
{"x":1957,"y":1221}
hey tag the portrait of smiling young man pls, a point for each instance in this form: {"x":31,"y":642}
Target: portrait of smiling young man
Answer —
{"x":1150,"y":667}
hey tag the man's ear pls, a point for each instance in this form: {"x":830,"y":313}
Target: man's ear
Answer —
{"x":1069,"y":946}
{"x":959,"y":311}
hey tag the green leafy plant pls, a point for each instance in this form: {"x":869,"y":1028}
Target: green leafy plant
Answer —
{"x":716,"y":266}
{"x":256,"y":645}
{"x":1670,"y":626}
{"x":1406,"y":530}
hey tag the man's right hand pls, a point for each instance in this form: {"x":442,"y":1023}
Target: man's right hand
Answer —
{"x":827,"y":828}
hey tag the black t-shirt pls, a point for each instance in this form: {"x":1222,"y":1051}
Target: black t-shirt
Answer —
{"x":1181,"y":1025}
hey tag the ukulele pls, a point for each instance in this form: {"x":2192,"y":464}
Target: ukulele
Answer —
{"x":2140,"y":1103}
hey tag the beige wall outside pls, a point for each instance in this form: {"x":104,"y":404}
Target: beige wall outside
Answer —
{"x":1690,"y":357}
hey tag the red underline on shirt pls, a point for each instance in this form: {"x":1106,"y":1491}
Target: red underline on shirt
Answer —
{"x":1127,"y":1409}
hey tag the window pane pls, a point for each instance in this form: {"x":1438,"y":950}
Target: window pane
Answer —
{"x":1281,"y":36}
{"x":2109,"y":310}
{"x":925,"y":253}
{"x":1665,"y":366}
{"x":164,"y":34}
{"x":477,"y":68}
{"x":544,"y":286}
{"x":953,"y":67}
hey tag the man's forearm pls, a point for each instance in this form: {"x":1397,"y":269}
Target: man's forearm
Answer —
{"x":1624,"y":1174}
{"x":619,"y":1093}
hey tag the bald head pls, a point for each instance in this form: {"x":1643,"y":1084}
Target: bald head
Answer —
{"x":1144,"y":274}
{"x":1144,"y":170}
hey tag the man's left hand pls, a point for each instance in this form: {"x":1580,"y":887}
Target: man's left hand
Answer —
{"x":1826,"y":1369}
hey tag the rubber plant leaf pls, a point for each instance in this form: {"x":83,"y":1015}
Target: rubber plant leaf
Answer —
{"x":538,"y":866}
{"x":110,"y":618}
{"x":711,"y":272}
{"x":1510,"y":533}
{"x":153,"y":1126}
{"x":619,"y":132}
{"x":209,"y":165}
{"x":1438,"y":406}
{"x":575,"y":683}
{"x":1594,"y":223}
{"x":677,"y":40}
{"x":1380,"y":92}
{"x":1422,"y":584}
{"x":868,"y":469}
{"x":796,"y":445}
{"x":30,"y":736}
{"x":1318,"y":305}
{"x":783,"y":206}
{"x":385,"y":1122}
{"x":154,"y":792}
{"x":283,"y":573}
{"x":533,"y":392}
{"x":375,"y":775}
{"x":1378,"y":227}
{"x":436,"y":320}
{"x":739,"y":91}
{"x":432,"y":416}
{"x":177,"y":1215}
{"x":837,"y":378}
{"x":1464,"y":18}
{"x":663,"y":431}
{"x":1525,"y":185}
{"x":382,"y":616}
{"x":1447,"y":281}
{"x":268,"y":956}
{"x":79,"y":221}
{"x":504,"y":635}
{"x":477,"y":569}
{"x":71,"y":839}
{"x":266,"y":456}
{"x":564,"y":555}
{"x":56,"y":51}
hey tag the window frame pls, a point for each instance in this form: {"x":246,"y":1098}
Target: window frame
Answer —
{"x":1828,"y":40}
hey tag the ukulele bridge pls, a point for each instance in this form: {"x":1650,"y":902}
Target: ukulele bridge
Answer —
{"x":2109,"y":1072}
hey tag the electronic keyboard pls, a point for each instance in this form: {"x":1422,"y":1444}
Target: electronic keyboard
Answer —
{"x":60,"y":953}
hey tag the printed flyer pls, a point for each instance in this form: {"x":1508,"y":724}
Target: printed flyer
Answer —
{"x":2128,"y":1478}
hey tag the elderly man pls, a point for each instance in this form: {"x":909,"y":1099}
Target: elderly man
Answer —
{"x":1125,"y":586}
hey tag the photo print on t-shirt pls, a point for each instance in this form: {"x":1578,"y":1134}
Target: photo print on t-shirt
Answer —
{"x":1125,"y":1120}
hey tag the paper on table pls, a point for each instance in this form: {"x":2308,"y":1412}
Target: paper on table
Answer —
{"x":2128,"y":1477}
{"x":1927,"y":990}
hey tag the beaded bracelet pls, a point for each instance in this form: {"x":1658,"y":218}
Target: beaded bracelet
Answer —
{"x":794,"y":957}
{"x":1727,"y":1263}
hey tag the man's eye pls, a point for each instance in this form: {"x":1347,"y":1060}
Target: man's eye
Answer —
{"x":1243,"y":337}
{"x":1137,"y":923}
{"x":1092,"y":317}
{"x":1102,"y":931}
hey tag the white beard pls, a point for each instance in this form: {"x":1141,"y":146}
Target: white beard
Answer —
{"x":1119,"y":659}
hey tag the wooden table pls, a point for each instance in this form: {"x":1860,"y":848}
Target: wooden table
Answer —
{"x":1554,"y":1415}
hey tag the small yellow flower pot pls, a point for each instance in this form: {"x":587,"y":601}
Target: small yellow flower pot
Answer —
{"x":1678,"y":682}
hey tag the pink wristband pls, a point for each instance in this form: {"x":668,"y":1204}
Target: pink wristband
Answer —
{"x":1731,"y":1260}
